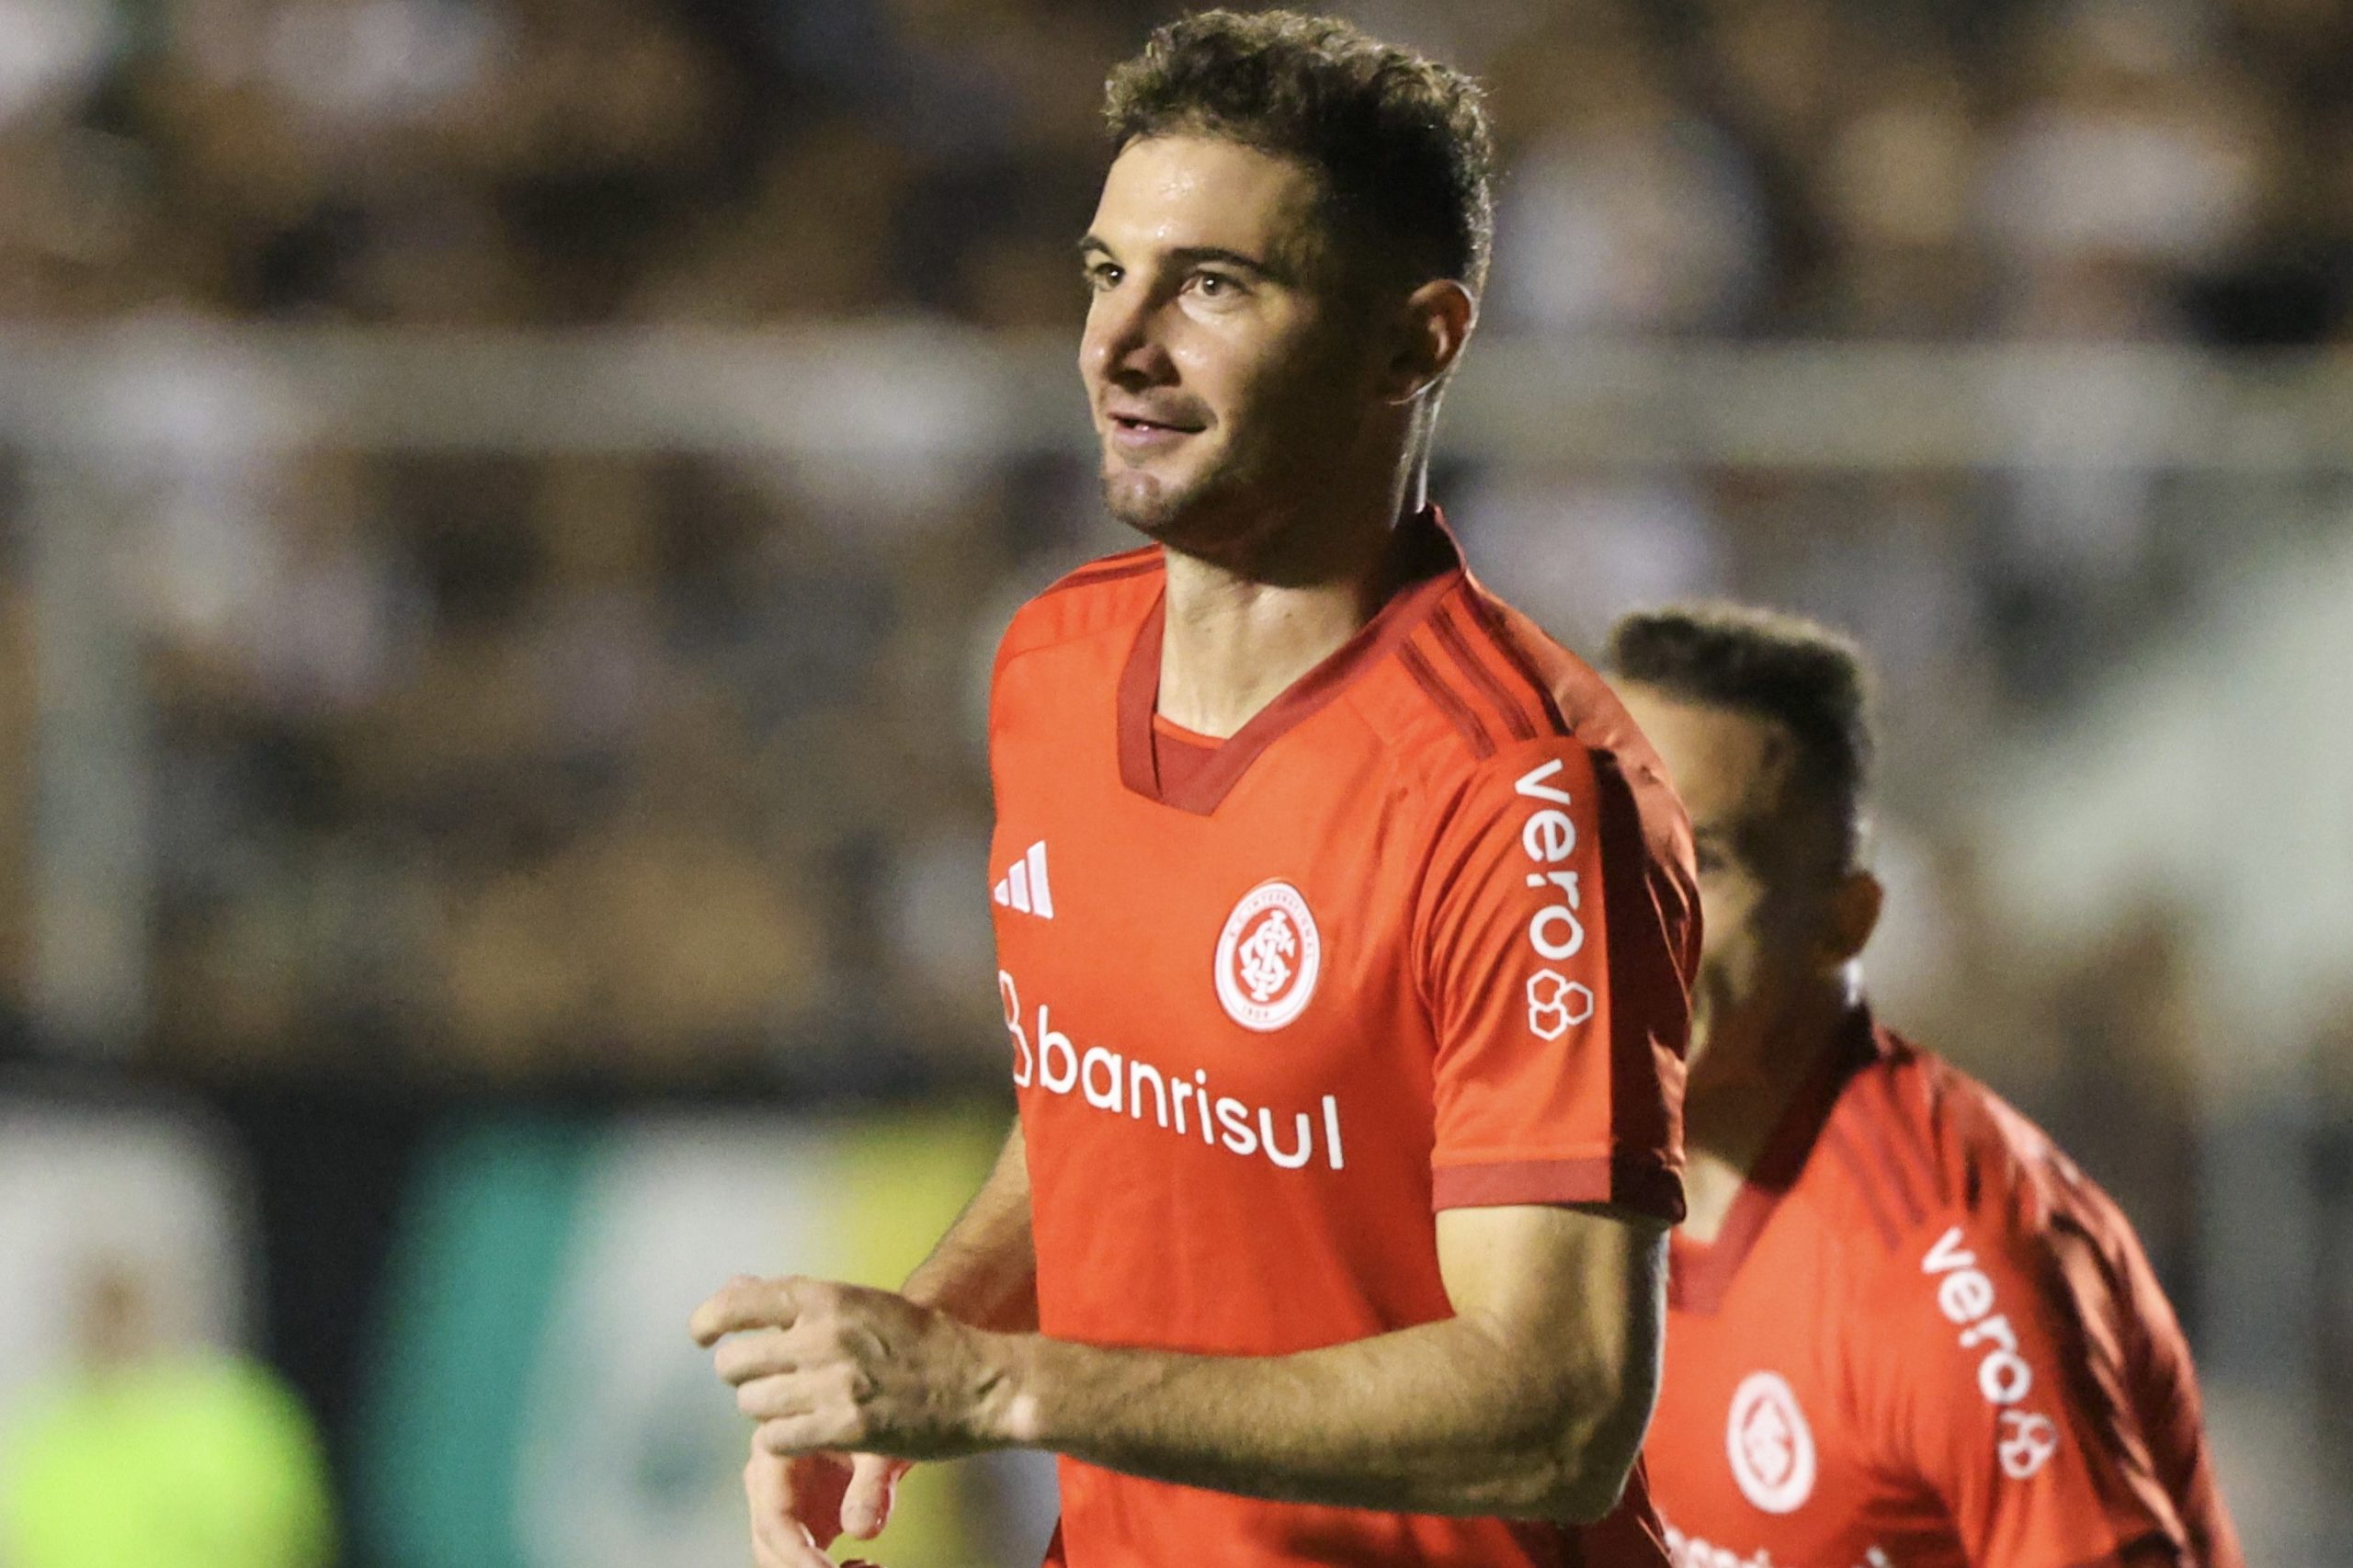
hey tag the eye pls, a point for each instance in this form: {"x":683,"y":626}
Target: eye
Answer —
{"x":1102,"y":274}
{"x":1216,"y":285}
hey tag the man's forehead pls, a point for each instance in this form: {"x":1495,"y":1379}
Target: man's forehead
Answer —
{"x":1727,"y":764}
{"x":1187,"y":192}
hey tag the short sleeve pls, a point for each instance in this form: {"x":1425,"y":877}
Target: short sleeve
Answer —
{"x":2008,"y":1388}
{"x":1552,"y":951}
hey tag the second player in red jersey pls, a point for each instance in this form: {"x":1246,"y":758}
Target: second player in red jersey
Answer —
{"x":1903,"y":1328}
{"x":1344,"y":924}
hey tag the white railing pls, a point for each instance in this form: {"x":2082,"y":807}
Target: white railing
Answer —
{"x":924,"y":389}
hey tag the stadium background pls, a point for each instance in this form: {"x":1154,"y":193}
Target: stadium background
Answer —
{"x":504,"y":509}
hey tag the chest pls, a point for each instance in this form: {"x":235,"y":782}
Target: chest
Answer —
{"x":1264,"y":947}
{"x":1766,"y":1447}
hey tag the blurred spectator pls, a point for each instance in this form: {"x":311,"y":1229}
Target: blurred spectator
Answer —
{"x":1894,"y":184}
{"x":2136,"y":153}
{"x":1627,"y":211}
{"x":163,"y":1456}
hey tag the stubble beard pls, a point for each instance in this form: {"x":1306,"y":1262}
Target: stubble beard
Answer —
{"x":1197,"y":515}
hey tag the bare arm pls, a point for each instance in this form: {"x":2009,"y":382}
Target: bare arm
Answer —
{"x":985,"y":1270}
{"x":1530,"y":1402}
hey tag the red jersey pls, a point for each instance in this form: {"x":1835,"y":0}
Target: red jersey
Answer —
{"x":1923,"y":1338}
{"x":1416,"y":937}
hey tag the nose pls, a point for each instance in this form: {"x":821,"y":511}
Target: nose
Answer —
{"x":1121,"y":345}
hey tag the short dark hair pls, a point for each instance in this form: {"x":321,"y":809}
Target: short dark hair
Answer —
{"x":1770,"y":665}
{"x":1400,"y":141}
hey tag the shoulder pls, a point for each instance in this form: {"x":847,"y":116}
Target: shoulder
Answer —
{"x":1929,"y":1151}
{"x":2016,"y":1320}
{"x":1491,"y":718}
{"x":1478,"y":687}
{"x":1114,"y":592}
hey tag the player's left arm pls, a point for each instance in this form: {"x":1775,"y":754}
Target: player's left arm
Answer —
{"x":1530,"y":1402}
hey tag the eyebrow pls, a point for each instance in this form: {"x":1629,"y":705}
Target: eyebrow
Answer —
{"x":1193,"y":255}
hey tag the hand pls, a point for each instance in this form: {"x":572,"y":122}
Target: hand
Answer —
{"x":827,"y":1368}
{"x":801,"y":1505}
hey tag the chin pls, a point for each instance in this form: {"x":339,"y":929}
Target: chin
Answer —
{"x":1193,"y":518}
{"x":1142,"y":502}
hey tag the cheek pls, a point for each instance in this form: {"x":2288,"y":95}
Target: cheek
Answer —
{"x":1208,"y":366}
{"x":1734,"y":945}
{"x":1276,"y":370}
{"x":1725,"y":963}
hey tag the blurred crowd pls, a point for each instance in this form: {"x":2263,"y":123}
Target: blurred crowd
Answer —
{"x":666,"y":766}
{"x":2132,"y":168}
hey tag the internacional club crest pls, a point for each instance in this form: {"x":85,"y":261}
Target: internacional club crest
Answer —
{"x":1268,"y":956}
{"x":1771,"y":1446}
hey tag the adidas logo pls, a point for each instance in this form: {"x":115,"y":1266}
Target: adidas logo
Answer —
{"x":1023,"y":887}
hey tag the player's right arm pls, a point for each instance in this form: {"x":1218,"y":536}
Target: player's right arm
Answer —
{"x":984,"y":1271}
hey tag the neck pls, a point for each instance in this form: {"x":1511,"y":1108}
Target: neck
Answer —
{"x":1238,"y":633}
{"x":1741,"y":1087}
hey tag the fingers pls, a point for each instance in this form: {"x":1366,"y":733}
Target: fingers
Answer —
{"x":745,"y":1302}
{"x":873,"y":1487}
{"x":776,"y":1398}
{"x":748,"y":1356}
{"x":802,"y":1434}
{"x":784,"y":1545}
{"x":781,"y":1536}
{"x":789,"y":1555}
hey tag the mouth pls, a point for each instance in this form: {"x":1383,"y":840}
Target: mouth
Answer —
{"x":1138,"y":429}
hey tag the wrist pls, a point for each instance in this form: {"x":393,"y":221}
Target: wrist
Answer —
{"x":1008,"y":1411}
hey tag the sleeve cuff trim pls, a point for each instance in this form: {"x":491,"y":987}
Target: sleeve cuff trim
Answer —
{"x":1642,"y":1183}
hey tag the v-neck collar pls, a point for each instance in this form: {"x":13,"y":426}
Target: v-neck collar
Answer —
{"x":1200,"y":794}
{"x":1700,"y":1273}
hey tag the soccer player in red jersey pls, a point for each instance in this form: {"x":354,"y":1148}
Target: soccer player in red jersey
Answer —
{"x":1344,"y":924}
{"x":1903,"y":1328}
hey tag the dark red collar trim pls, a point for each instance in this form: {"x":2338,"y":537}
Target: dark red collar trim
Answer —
{"x":1138,"y":693}
{"x":1700,"y":1273}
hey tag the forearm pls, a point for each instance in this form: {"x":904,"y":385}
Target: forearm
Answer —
{"x":1449,"y":1417}
{"x":1530,"y":1402}
{"x":985,"y":1269}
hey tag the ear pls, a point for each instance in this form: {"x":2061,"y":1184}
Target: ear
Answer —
{"x":1433,"y":324}
{"x":1853,"y":915}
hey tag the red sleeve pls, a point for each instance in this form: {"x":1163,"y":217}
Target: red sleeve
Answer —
{"x":1550,"y":945}
{"x":2005,"y":1384}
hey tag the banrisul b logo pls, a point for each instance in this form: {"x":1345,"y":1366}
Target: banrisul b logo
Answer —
{"x":1267,"y":958}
